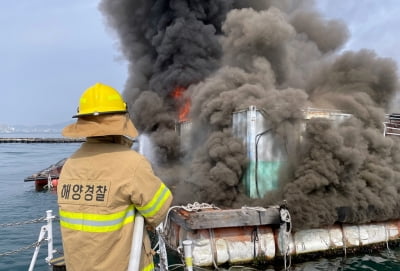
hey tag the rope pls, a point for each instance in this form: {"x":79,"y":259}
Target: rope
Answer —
{"x":344,"y":242}
{"x":255,"y":239}
{"x":285,"y":231}
{"x":195,"y":207}
{"x":213,"y":249}
{"x":198,"y":206}
{"x":257,"y":139}
{"x":175,"y":266}
{"x":387,"y":238}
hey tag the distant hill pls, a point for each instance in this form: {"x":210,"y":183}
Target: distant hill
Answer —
{"x":52,"y":128}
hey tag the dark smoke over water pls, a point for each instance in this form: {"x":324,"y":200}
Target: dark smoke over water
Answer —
{"x":281,"y":56}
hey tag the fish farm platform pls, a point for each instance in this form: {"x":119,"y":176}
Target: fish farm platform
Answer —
{"x":40,"y":140}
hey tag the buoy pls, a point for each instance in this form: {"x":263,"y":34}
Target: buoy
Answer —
{"x":54,"y":182}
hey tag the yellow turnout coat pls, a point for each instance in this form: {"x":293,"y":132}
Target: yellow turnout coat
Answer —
{"x":101,"y":188}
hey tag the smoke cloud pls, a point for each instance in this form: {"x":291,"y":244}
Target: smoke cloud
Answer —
{"x":277,"y":56}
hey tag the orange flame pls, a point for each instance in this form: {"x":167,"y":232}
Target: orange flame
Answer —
{"x":177,"y":94}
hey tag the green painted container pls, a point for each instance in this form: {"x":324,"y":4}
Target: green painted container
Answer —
{"x":265,"y":150}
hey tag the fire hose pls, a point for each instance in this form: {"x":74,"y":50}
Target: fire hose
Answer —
{"x":137,"y":238}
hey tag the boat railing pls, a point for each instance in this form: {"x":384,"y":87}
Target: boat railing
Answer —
{"x":391,"y":126}
{"x":391,"y":129}
{"x":46,"y":234}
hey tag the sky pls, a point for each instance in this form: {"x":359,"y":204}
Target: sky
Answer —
{"x":52,"y":50}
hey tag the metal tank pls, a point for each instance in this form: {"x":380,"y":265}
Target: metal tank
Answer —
{"x":266,"y":151}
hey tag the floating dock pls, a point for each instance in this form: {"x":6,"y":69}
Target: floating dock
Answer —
{"x":263,"y":236}
{"x":39,"y":140}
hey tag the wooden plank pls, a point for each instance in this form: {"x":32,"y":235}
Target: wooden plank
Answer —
{"x":210,"y":218}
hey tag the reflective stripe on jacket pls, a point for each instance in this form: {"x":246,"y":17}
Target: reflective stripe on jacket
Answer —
{"x":95,"y":222}
{"x":101,"y":186}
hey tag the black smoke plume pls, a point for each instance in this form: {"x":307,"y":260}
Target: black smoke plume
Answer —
{"x":281,"y":56}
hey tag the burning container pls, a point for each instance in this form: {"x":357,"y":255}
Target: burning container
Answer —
{"x":266,"y":150}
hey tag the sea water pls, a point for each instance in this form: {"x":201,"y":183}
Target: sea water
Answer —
{"x":20,"y":203}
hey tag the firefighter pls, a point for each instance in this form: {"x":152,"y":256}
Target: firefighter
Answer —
{"x":103,"y":184}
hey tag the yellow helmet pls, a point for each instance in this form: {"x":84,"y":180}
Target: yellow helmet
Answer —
{"x":100,"y":99}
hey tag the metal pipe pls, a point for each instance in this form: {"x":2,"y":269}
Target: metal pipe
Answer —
{"x":50,"y":251}
{"x":187,"y":249}
{"x":36,"y":252}
{"x":163,"y":251}
{"x":138,"y":227}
